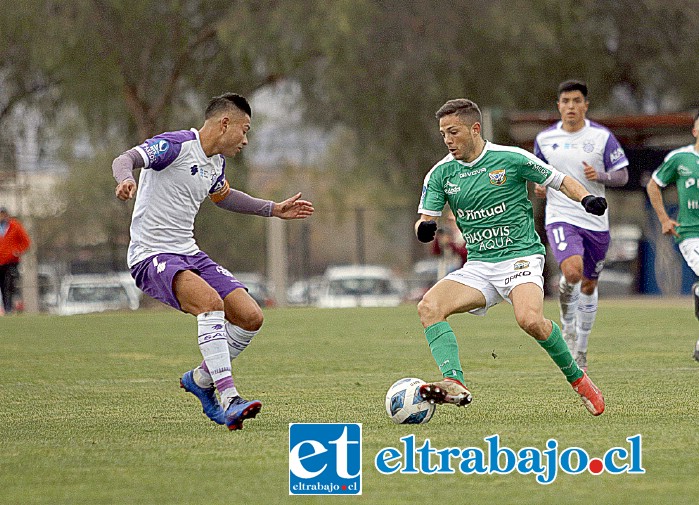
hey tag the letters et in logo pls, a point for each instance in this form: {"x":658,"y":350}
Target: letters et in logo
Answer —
{"x":325,"y":459}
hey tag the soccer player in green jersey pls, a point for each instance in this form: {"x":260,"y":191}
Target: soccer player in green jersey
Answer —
{"x":485,"y":185}
{"x":681,"y":167}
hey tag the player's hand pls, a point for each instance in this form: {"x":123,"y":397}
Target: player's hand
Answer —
{"x":126,"y":190}
{"x":668,"y":227}
{"x":596,"y":205}
{"x":426,"y":231}
{"x":540,"y":191}
{"x":293,"y":208}
{"x":590,"y":172}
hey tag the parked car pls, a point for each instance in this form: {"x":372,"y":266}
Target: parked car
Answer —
{"x":81,"y":294}
{"x":304,"y":291}
{"x":257,"y":286}
{"x":360,"y":286}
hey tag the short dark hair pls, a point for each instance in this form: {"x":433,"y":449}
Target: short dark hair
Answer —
{"x":225,"y":102}
{"x":572,"y":85}
{"x":466,"y":110}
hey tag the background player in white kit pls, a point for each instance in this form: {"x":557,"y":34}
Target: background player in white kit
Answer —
{"x":681,"y":167}
{"x":180,"y":170}
{"x":590,"y":153}
{"x":485,"y":185}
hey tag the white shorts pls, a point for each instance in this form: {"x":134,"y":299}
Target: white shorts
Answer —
{"x":689,"y":248}
{"x":496,"y":280}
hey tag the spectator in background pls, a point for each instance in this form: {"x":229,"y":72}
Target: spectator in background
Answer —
{"x":681,"y":167}
{"x":14,"y":241}
{"x":450,"y":245}
{"x":590,"y":153}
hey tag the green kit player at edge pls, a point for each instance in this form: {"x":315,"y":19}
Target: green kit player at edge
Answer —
{"x":681,"y":167}
{"x":485,"y":186}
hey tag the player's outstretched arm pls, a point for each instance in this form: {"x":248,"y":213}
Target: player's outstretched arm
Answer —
{"x":122,"y":169}
{"x":596,"y":205}
{"x":293,"y":208}
{"x":656,"y":200}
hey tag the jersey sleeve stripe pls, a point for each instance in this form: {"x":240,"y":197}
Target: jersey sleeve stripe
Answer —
{"x":143,"y":155}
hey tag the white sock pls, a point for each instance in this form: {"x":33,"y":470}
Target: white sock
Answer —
{"x":214,"y":348}
{"x":587,"y":312}
{"x":238,"y":339}
{"x":568,"y":299}
{"x":202,"y":378}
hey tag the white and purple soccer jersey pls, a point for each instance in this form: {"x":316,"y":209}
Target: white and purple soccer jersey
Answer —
{"x":177,"y":178}
{"x":593,"y":144}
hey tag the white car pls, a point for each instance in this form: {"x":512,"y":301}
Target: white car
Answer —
{"x":85,"y":293}
{"x":360,"y":286}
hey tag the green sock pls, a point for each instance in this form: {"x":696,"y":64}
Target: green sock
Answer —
{"x":445,"y":350}
{"x":560,"y":354}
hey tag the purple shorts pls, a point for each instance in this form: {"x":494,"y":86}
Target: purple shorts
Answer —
{"x":568,"y":240}
{"x":154,"y":275}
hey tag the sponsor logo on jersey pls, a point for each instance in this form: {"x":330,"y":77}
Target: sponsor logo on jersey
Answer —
{"x":472,"y":172}
{"x":588,"y":146}
{"x":616,"y":155}
{"x":693,"y":204}
{"x":521,"y":264}
{"x":156,"y":148}
{"x":535,"y":166}
{"x":471,"y":237}
{"x":470,"y":215}
{"x":684,"y":171}
{"x":497,"y":177}
{"x":451,"y":188}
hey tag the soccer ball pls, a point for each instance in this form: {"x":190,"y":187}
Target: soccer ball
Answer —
{"x":405,"y":405}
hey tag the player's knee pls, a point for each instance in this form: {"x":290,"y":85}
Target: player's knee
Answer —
{"x":572,"y":275}
{"x":695,"y":293}
{"x":429,"y":312}
{"x":253,"y":321}
{"x":531,"y":322}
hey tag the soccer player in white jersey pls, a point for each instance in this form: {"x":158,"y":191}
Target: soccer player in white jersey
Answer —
{"x":681,"y":167}
{"x":590,"y":153}
{"x":485,"y":185}
{"x":179,"y":170}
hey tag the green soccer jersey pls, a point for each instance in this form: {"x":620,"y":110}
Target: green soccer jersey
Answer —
{"x":681,"y":167}
{"x":489,"y":200}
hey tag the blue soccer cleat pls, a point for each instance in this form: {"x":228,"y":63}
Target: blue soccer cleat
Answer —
{"x":207,"y":396}
{"x":239,"y":410}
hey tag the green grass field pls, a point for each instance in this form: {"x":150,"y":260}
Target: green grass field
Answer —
{"x":91,"y":411}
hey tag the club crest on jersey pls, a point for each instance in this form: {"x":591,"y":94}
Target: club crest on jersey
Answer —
{"x":521,"y":264}
{"x":451,"y":188}
{"x":588,"y":146}
{"x":497,"y":177}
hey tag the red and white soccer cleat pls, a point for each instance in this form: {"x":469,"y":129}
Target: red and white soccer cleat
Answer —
{"x":591,"y":395}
